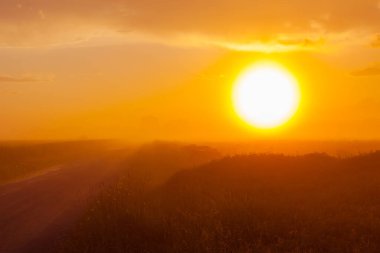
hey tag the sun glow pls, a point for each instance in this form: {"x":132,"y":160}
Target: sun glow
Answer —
{"x":266,"y":96}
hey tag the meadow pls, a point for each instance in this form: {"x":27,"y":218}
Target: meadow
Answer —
{"x":168,"y":201}
{"x":21,"y":159}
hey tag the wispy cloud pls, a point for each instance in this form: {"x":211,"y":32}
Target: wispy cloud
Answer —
{"x":369,"y":71}
{"x":241,"y":22}
{"x":376,"y":42}
{"x":25,"y":78}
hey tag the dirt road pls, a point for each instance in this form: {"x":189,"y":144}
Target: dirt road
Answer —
{"x":35,"y":211}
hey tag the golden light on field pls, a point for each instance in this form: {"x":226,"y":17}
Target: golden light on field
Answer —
{"x":266,"y":95}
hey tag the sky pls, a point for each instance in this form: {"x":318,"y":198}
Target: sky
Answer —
{"x":159,"y":69}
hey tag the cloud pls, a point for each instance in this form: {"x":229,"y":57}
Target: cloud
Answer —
{"x":25,"y":79}
{"x":291,"y":23}
{"x":376,"y":42}
{"x":370,"y":71}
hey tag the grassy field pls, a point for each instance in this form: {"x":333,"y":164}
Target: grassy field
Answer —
{"x":250,"y":203}
{"x":18,"y":159}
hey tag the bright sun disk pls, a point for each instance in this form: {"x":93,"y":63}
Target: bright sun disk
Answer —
{"x":266,"y":96}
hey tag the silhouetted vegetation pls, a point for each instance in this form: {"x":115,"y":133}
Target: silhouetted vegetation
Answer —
{"x":21,"y":158}
{"x":160,"y":160}
{"x":250,"y":203}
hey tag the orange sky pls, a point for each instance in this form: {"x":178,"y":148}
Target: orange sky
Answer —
{"x":148,"y":69}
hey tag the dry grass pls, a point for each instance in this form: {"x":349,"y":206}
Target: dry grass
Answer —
{"x":254,"y":203}
{"x":20,"y":159}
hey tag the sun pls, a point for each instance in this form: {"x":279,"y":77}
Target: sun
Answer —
{"x":266,"y":95}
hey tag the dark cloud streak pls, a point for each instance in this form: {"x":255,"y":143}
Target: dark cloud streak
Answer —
{"x":22,"y":79}
{"x":370,"y":71}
